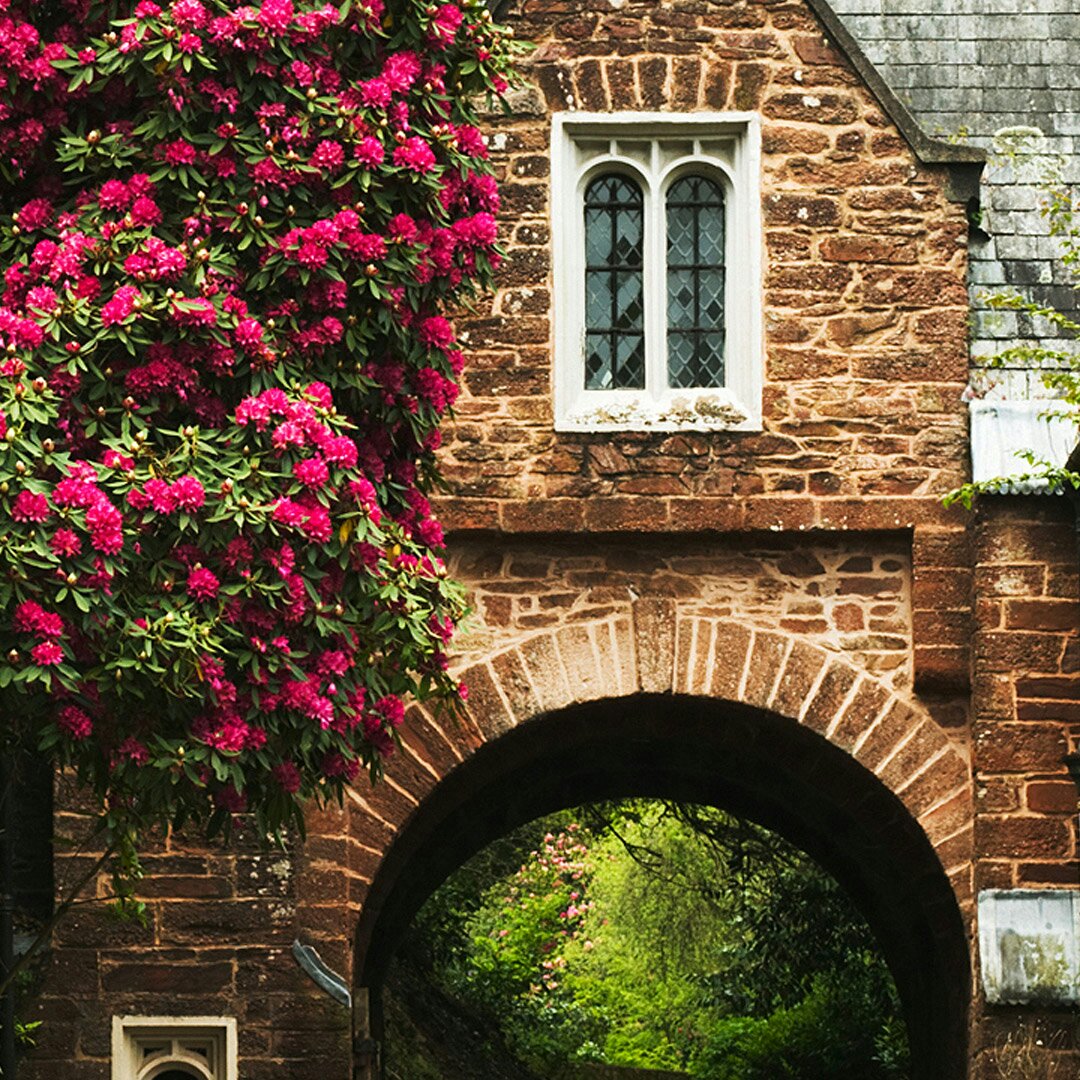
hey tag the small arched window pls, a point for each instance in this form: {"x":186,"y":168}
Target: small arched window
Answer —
{"x":614,"y":284}
{"x":174,"y":1048}
{"x":695,"y":282}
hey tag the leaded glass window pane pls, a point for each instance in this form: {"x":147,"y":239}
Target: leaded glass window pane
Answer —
{"x":695,"y":283}
{"x":614,"y":285}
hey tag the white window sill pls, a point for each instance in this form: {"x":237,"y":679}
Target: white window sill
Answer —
{"x":694,"y":411}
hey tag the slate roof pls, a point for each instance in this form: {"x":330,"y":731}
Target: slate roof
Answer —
{"x":969,"y":70}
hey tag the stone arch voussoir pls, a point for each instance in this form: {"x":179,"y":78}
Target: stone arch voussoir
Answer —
{"x":654,"y":649}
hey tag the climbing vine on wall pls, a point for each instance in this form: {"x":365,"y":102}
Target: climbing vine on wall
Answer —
{"x":1052,"y":356}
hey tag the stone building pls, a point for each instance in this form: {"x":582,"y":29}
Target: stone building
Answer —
{"x":718,"y":572}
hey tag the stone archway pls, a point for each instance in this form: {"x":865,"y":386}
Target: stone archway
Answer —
{"x":704,"y":710}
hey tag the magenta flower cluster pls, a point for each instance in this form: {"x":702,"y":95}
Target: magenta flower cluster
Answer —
{"x":225,"y":359}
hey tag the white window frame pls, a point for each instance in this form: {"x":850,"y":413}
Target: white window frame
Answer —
{"x":726,"y":146}
{"x":205,"y":1044}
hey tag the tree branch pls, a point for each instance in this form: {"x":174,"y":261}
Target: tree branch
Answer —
{"x":61,"y":910}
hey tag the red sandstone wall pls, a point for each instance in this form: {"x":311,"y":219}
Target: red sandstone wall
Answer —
{"x":219,"y":927}
{"x":1026,"y":692}
{"x":865,"y":310}
{"x":851,"y":597}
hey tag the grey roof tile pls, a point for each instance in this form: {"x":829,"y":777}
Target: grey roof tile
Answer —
{"x":969,"y":69}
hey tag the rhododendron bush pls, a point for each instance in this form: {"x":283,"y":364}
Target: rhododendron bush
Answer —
{"x":234,"y":236}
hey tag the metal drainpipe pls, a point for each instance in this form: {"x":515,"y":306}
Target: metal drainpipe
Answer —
{"x":7,"y":916}
{"x":1072,"y":761}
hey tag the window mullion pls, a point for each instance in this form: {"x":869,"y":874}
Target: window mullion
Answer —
{"x":656,"y":291}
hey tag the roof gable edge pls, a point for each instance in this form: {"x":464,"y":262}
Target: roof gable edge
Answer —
{"x":963,"y":161}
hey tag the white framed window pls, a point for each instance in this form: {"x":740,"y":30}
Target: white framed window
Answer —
{"x":656,"y":234}
{"x":174,"y":1048}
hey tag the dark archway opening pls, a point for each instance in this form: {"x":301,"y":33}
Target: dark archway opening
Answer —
{"x":750,"y":762}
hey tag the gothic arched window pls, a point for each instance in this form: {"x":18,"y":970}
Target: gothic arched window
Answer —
{"x":656,"y":223}
{"x":695,"y":282}
{"x":614,"y":284}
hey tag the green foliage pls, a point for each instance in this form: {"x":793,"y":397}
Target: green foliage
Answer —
{"x":24,"y":1032}
{"x":661,"y":936}
{"x":224,"y":360}
{"x":836,"y":1032}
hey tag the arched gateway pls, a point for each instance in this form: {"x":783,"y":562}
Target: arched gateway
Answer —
{"x":710,"y":711}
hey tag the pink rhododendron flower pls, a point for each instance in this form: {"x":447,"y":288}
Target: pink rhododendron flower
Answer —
{"x":275,"y":16}
{"x":437,"y":332}
{"x":42,"y":299}
{"x":312,"y":472}
{"x":334,"y":764}
{"x":249,"y":334}
{"x":65,"y":544}
{"x":317,"y":526}
{"x":74,"y":723}
{"x":133,"y":751}
{"x":35,"y":214}
{"x":114,"y":195}
{"x":415,"y":154}
{"x":120,"y":307}
{"x":401,"y":70}
{"x":288,"y":776}
{"x":47,"y":654}
{"x":161,"y":496}
{"x":189,"y":14}
{"x":376,"y":93}
{"x":369,"y":151}
{"x":198,"y":312}
{"x":187,"y":493}
{"x":431,"y":533}
{"x":179,"y":152}
{"x":145,"y":212}
{"x":446,"y":22}
{"x":31,"y":617}
{"x":328,"y":156}
{"x":30,"y":506}
{"x":202,"y":583}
